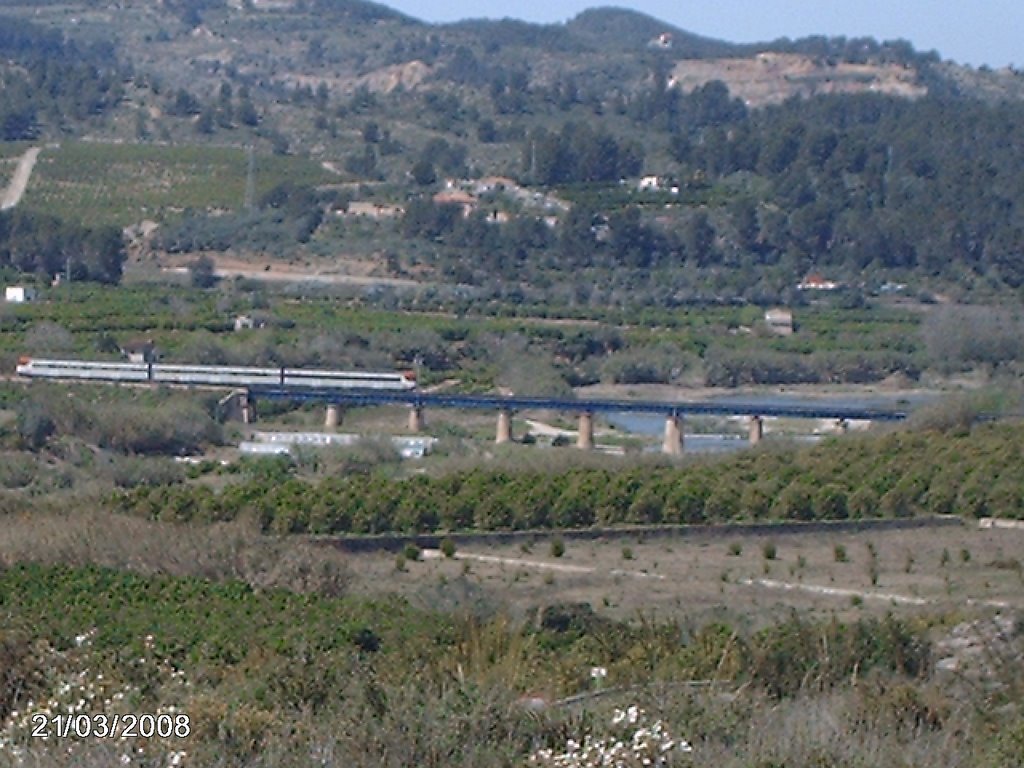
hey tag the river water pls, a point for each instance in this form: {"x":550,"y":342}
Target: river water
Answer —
{"x":652,"y":425}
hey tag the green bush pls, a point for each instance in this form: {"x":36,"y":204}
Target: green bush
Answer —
{"x":448,"y":547}
{"x":557,"y":547}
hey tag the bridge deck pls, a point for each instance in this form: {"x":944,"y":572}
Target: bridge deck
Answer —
{"x":517,"y":403}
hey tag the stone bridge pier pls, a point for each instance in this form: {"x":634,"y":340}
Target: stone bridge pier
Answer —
{"x":417,"y":421}
{"x":504,"y":432}
{"x":672,"y":445}
{"x":238,"y":406}
{"x":756,"y":429}
{"x":333,"y":416}
{"x":585,"y":436}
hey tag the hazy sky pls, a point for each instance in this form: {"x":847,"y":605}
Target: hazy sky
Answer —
{"x":968,"y":31}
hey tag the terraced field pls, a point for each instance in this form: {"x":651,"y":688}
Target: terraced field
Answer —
{"x":124,"y":184}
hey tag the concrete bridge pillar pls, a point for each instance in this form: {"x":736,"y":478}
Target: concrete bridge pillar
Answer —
{"x":416,"y":420}
{"x":756,"y":429}
{"x":333,"y":417}
{"x":504,"y":434}
{"x":673,"y":443}
{"x":585,"y":437}
{"x":247,"y":408}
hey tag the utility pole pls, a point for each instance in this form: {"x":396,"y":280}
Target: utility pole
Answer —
{"x":250,"y":179}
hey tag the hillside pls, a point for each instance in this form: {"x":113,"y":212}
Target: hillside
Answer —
{"x":199,"y":44}
{"x":492,"y":153}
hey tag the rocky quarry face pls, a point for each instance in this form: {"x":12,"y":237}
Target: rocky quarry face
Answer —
{"x":772,"y":78}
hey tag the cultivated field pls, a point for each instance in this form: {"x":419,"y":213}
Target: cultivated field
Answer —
{"x":698,"y":577}
{"x":124,"y":184}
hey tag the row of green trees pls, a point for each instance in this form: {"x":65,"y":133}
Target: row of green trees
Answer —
{"x":858,"y":181}
{"x":284,"y":217}
{"x":45,"y":245}
{"x":899,"y":475}
{"x":157,"y":425}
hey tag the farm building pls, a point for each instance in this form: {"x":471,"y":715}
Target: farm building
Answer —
{"x":140,"y":351}
{"x":19,"y":294}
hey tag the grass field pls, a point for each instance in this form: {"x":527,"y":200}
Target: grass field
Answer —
{"x":123,"y":184}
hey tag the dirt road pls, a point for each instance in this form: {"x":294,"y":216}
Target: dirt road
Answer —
{"x":19,"y":183}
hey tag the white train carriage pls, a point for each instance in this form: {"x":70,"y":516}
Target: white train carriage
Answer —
{"x":214,"y":375}
{"x":323,"y":379}
{"x":82,"y":369}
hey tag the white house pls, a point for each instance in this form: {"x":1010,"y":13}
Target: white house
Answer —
{"x":19,"y":294}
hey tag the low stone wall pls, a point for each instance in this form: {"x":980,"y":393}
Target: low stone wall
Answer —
{"x":395,"y":542}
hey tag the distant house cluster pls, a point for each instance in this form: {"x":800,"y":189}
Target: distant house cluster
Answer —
{"x":470,"y":196}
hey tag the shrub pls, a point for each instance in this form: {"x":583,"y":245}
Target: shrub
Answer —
{"x":769,"y":550}
{"x":557,"y":547}
{"x":831,"y":503}
{"x":35,"y":425}
{"x":448,"y":548}
{"x":795,"y":502}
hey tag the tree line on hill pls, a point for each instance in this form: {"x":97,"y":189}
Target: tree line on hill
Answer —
{"x":47,"y":79}
{"x":849,"y":184}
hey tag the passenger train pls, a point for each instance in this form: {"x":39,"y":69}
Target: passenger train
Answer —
{"x":214,"y":375}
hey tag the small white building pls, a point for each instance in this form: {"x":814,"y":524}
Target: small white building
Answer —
{"x":250,"y":322}
{"x":780,"y":321}
{"x":649,"y":184}
{"x":19,"y":294}
{"x":140,"y":351}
